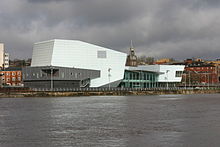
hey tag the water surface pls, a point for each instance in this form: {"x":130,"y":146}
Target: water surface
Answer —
{"x":117,"y":121}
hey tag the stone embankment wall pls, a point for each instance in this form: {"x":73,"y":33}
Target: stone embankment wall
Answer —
{"x":111,"y":93}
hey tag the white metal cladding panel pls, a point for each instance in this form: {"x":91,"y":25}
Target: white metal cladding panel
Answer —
{"x":116,"y":62}
{"x":70,"y":53}
{"x":170,"y":73}
{"x":154,"y":68}
{"x":73,"y":53}
{"x":42,"y":53}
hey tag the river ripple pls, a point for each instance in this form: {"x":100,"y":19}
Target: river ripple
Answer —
{"x":120,"y":121}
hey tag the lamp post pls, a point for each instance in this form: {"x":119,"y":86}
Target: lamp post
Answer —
{"x":109,"y":75}
{"x":139,"y":79}
{"x":51,"y":78}
{"x":167,"y":77}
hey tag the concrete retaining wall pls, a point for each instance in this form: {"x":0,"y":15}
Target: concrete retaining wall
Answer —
{"x":111,"y":93}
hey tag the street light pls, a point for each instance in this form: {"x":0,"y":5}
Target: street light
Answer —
{"x":51,"y":78}
{"x":185,"y":80}
{"x":167,"y":77}
{"x":140,"y":78}
{"x":109,"y":75}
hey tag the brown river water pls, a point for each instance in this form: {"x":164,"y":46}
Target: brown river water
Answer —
{"x":111,"y":121}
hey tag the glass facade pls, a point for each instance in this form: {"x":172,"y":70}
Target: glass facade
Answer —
{"x":139,"y":79}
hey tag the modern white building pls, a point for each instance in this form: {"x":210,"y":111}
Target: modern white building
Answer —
{"x":169,"y":73}
{"x":81,"y":55}
{"x":4,"y":57}
{"x":148,"y":76}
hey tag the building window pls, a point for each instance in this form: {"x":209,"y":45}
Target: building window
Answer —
{"x":7,"y":73}
{"x":8,"y":79}
{"x":148,"y":77}
{"x":101,"y":54}
{"x":13,"y":74}
{"x":19,"y":73}
{"x":19,"y":78}
{"x":133,"y":77}
{"x":41,"y":74}
{"x":145,"y":77}
{"x":179,"y":73}
{"x":13,"y":79}
{"x":62,"y":74}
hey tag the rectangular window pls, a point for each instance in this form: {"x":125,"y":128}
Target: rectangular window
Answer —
{"x":62,"y":75}
{"x":13,"y":79}
{"x":130,"y":76}
{"x":148,"y":77}
{"x":101,"y":54}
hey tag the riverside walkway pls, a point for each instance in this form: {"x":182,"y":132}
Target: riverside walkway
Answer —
{"x":63,"y":92}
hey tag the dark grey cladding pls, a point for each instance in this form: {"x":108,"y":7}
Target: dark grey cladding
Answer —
{"x":61,"y":77}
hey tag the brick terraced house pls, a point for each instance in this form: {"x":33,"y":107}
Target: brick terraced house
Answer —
{"x":11,"y":76}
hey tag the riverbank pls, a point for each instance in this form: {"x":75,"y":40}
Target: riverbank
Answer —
{"x":18,"y":94}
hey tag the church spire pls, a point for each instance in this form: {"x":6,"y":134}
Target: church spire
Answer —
{"x":131,"y":44}
{"x":132,"y":47}
{"x":131,"y":58}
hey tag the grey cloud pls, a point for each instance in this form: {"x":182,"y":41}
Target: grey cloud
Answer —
{"x":210,"y":3}
{"x":172,"y":28}
{"x":45,"y":1}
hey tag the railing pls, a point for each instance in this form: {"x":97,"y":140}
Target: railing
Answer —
{"x":101,"y":89}
{"x":105,"y":89}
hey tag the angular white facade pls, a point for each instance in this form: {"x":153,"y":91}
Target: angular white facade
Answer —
{"x":78,"y":54}
{"x":168,"y":73}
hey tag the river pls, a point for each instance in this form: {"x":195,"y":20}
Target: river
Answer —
{"x":111,"y":121}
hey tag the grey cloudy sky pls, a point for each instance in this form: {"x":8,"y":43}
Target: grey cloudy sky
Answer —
{"x":160,"y":28}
